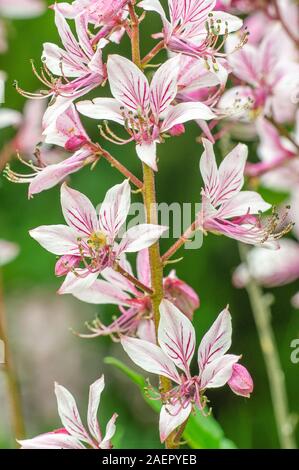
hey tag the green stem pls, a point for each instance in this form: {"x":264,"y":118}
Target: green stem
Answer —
{"x":11,"y":375}
{"x":262,"y":316}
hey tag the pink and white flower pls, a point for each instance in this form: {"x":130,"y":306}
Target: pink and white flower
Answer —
{"x":135,"y":306}
{"x":176,"y":337}
{"x":195,"y":28}
{"x":78,"y":66}
{"x":146,"y":111}
{"x":269,"y":77}
{"x":15,"y":9}
{"x":8,"y":252}
{"x":74,"y":435}
{"x":228,"y":210}
{"x":89,"y":238}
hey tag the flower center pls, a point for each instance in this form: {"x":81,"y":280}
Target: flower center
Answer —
{"x":97,"y":240}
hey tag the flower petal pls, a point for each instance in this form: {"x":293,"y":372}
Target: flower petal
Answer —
{"x":143,"y":267}
{"x":176,"y":336}
{"x":140,"y":237}
{"x":172,"y":416}
{"x":115,"y":208}
{"x":101,"y":108}
{"x":163,"y":88}
{"x":78,"y":211}
{"x":218,"y":372}
{"x":150,"y":357}
{"x":102,"y":292}
{"x":246,"y":202}
{"x":209,"y":170}
{"x":8,"y":252}
{"x":231,"y":174}
{"x":147,"y":154}
{"x":51,"y":440}
{"x":57,"y":239}
{"x":95,"y":391}
{"x":76,"y":282}
{"x":69,"y":414}
{"x":184,"y":112}
{"x":110,"y":431}
{"x":128,"y":84}
{"x":216,"y":341}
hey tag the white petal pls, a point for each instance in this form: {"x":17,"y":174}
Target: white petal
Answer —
{"x":216,"y":341}
{"x":141,"y":236}
{"x":57,"y":239}
{"x":176,"y":336}
{"x":230,"y":23}
{"x":78,"y":211}
{"x":69,"y":414}
{"x":150,"y":357}
{"x":127,"y":83}
{"x":77,"y":282}
{"x":163,"y":88}
{"x":95,"y":391}
{"x":246,"y":202}
{"x":115,"y":208}
{"x":209,"y":170}
{"x":153,"y":5}
{"x":102,"y":292}
{"x":110,"y":431}
{"x":9,"y":117}
{"x":8,"y":252}
{"x":184,"y":112}
{"x":218,"y":372}
{"x":101,"y":108}
{"x":172,"y":416}
{"x":147,"y":154}
{"x":52,"y":440}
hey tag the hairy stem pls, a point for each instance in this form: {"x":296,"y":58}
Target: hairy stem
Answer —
{"x":155,"y":50}
{"x":121,"y":168}
{"x":262,"y":316}
{"x":180,"y":242}
{"x":135,"y":40}
{"x":11,"y":375}
{"x":133,"y":279}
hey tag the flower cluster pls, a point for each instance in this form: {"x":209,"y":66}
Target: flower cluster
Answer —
{"x":154,"y":323}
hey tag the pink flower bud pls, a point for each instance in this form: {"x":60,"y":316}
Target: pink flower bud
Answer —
{"x":176,"y":130}
{"x":75,"y":143}
{"x":241,"y":382}
{"x":181,"y":295}
{"x":65,"y":264}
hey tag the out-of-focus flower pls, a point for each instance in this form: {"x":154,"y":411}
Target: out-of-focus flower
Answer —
{"x":8,"y":117}
{"x":21,"y":8}
{"x":176,"y":337}
{"x":270,"y":268}
{"x":195,"y":29}
{"x":8,"y":252}
{"x":270,"y":75}
{"x":91,"y":237}
{"x":74,"y":434}
{"x":135,"y":306}
{"x":145,"y":110}
{"x":78,"y":66}
{"x":228,"y":210}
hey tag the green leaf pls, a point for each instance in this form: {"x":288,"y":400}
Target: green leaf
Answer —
{"x":202,"y":432}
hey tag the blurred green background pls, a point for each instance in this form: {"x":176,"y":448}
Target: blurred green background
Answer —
{"x":39,"y":320}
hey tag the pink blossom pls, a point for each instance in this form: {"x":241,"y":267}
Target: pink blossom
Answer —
{"x":176,"y":337}
{"x":91,"y":236}
{"x":194,"y":28}
{"x":15,"y":9}
{"x":135,"y":306}
{"x":74,"y":435}
{"x":270,"y":75}
{"x":241,"y":382}
{"x":107,"y":16}
{"x":8,"y":252}
{"x":78,"y":66}
{"x":270,"y":268}
{"x":145,"y":110}
{"x":225,"y":208}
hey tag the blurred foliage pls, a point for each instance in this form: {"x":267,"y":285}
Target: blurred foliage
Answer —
{"x":248,"y":423}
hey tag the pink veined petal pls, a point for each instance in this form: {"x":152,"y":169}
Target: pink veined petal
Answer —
{"x":54,"y":174}
{"x":172,"y":416}
{"x":139,"y":237}
{"x":190,"y":12}
{"x":244,"y":64}
{"x":246,"y":202}
{"x":101,"y":108}
{"x":218,"y":372}
{"x":176,"y":336}
{"x":150,"y":357}
{"x":57,"y":239}
{"x":128,"y":84}
{"x":51,"y":440}
{"x":143,"y":267}
{"x":78,"y":211}
{"x":184,"y":112}
{"x":95,"y":391}
{"x":114,"y":209}
{"x":163,"y":88}
{"x":209,"y":170}
{"x":110,"y":431}
{"x":231,"y":174}
{"x":102,"y":292}
{"x":216,"y":341}
{"x":147,"y":154}
{"x":69,"y":414}
{"x":77,"y":282}
{"x":68,"y":39}
{"x":58,"y":61}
